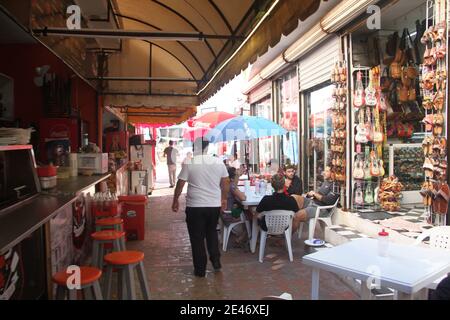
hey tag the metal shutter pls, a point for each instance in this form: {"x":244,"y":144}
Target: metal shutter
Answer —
{"x":315,"y":68}
{"x":260,"y":92}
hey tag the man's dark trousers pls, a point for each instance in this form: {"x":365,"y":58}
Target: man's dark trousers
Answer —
{"x":202,"y":223}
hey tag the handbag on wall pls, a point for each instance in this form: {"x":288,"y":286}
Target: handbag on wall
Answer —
{"x":392,"y":44}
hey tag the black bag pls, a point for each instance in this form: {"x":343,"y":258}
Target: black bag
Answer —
{"x":419,"y":49}
{"x":412,"y":52}
{"x":391,"y":44}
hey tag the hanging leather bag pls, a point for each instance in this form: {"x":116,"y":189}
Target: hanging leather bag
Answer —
{"x":392,"y":44}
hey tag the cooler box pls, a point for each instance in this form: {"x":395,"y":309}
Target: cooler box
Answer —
{"x":133,"y":215}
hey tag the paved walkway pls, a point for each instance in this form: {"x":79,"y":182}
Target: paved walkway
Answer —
{"x":170,"y":271}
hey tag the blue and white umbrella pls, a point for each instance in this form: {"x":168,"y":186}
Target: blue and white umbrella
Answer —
{"x":244,"y":128}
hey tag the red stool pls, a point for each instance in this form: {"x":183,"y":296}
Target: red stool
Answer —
{"x":89,"y":284}
{"x":102,"y":238}
{"x":125,"y":262}
{"x":109,"y":224}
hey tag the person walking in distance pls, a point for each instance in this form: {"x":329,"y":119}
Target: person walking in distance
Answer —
{"x":171,"y":153}
{"x":208,"y":187}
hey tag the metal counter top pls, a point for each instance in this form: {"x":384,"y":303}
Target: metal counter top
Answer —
{"x":25,"y":218}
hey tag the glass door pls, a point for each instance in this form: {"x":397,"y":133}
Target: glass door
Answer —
{"x":263,"y":149}
{"x":319,"y":104}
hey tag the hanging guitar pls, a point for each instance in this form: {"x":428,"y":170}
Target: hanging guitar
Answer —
{"x":368,"y":197}
{"x":358,"y":172}
{"x":367,"y":170}
{"x":374,"y":165}
{"x":361,"y":134}
{"x":358,"y":97}
{"x":377,"y":134}
{"x":359,"y":198}
{"x":368,"y":124}
{"x":370,"y":92}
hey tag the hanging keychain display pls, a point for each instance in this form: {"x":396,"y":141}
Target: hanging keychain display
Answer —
{"x":339,"y":123}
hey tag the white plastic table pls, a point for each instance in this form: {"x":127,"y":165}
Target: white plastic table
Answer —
{"x":406,"y":268}
{"x":252,"y":201}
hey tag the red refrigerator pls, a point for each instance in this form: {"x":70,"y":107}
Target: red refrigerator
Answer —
{"x":57,"y":135}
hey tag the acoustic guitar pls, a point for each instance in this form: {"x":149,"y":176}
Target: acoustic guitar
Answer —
{"x":359,"y":199}
{"x":368,"y":197}
{"x":358,"y":97}
{"x":371,"y":93}
{"x":358,"y":171}
{"x":361,"y":134}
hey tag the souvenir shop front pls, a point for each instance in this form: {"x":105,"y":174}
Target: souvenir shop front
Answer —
{"x":372,"y":104}
{"x":381,"y":120}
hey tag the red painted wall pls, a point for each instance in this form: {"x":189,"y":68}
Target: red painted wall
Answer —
{"x":19,"y":61}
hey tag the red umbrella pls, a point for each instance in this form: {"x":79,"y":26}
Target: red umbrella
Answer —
{"x":213,"y":118}
{"x":194,"y":133}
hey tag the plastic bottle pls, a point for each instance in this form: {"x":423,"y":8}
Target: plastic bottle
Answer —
{"x":383,"y":243}
{"x":263,"y":187}
{"x":257,"y":186}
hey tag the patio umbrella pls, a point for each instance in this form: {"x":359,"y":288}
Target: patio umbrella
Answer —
{"x":193,"y":133}
{"x":244,"y":128}
{"x":211,"y":119}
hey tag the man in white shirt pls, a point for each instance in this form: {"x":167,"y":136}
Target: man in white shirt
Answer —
{"x":208,"y":187}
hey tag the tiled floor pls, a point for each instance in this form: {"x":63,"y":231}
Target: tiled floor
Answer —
{"x":169,"y":265}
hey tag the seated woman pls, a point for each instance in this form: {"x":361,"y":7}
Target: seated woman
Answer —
{"x":278,"y":201}
{"x":234,"y":208}
{"x":309,"y":203}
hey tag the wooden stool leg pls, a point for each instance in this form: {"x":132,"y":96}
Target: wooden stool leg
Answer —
{"x":101,"y":254}
{"x":116,"y":245}
{"x":108,"y":282}
{"x":131,"y":286}
{"x":97,"y":291}
{"x":95,"y":253}
{"x":60,"y":293}
{"x":122,"y":288}
{"x":122,"y":242}
{"x":143,"y":281}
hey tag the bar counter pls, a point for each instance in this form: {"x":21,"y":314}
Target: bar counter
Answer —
{"x":23,"y":219}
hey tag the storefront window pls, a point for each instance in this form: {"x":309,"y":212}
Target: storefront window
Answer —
{"x":319,"y":113}
{"x":398,"y":117}
{"x":288,"y":107}
{"x":264,"y":152}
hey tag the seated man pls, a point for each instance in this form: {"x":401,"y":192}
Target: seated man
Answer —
{"x":309,"y":203}
{"x":293,"y":184}
{"x":278,"y":201}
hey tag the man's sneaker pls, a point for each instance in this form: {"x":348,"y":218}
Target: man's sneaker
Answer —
{"x":199,"y":274}
{"x":217,"y":266}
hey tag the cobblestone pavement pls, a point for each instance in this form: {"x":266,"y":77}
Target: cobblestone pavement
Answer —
{"x":170,"y":271}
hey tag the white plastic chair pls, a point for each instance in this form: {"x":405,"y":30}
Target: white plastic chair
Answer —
{"x":226,"y":230}
{"x":278,"y":222}
{"x":312,"y":222}
{"x":439,"y":238}
{"x":283,"y":296}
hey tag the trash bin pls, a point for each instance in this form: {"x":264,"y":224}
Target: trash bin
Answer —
{"x":133,"y":215}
